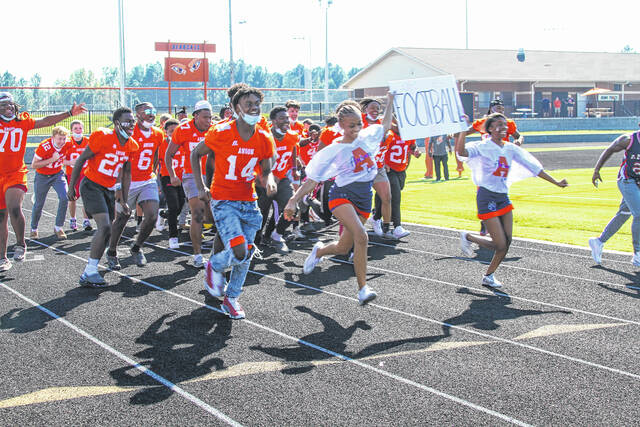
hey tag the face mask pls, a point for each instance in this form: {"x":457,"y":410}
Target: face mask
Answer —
{"x":123,"y":134}
{"x":77,"y":136}
{"x":235,"y":115}
{"x":251,"y":119}
{"x":279,"y":132}
{"x":147,"y":125}
{"x":292,"y":121}
{"x":13,"y":116}
{"x":371,"y":119}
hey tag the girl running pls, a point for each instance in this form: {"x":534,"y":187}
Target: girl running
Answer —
{"x":495,"y":165}
{"x":351,"y":160}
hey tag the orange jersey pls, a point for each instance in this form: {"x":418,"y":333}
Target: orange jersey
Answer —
{"x":305,"y":154}
{"x":478,"y":125}
{"x":75,"y":149}
{"x":298,"y":127}
{"x":187,"y":136}
{"x":328,"y":135}
{"x":45,"y":150}
{"x":382,"y":153}
{"x":366,"y":122}
{"x":236,"y":161}
{"x":142,"y":160}
{"x":13,"y":143}
{"x":109,"y":156}
{"x":284,"y":150}
{"x":177,"y":162}
{"x":397,"y":157}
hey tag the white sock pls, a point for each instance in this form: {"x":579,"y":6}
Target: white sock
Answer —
{"x":73,"y":218}
{"x":92,"y":266}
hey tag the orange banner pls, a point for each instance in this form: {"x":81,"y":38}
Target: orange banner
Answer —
{"x":186,"y":69}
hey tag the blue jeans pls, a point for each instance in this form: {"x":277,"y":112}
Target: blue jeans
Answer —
{"x":41,"y":185}
{"x":631,"y":195}
{"x":236,"y":222}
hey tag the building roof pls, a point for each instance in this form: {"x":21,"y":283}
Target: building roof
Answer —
{"x":493,"y":65}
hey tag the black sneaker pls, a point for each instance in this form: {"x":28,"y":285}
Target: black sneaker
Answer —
{"x":113,"y":262}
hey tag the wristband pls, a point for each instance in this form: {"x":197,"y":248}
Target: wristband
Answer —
{"x":118,"y":186}
{"x":70,"y":113}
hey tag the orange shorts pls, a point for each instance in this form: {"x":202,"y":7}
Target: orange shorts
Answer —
{"x":11,"y":180}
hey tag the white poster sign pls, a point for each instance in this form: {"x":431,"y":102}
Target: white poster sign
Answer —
{"x":428,"y":106}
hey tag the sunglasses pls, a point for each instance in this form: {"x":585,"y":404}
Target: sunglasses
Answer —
{"x":150,"y":111}
{"x":128,"y":124}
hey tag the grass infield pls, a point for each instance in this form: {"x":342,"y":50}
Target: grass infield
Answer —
{"x":542,"y":210}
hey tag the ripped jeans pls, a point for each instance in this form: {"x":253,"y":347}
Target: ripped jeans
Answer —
{"x":237,"y":223}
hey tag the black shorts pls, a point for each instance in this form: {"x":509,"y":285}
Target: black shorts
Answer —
{"x":97,"y":199}
{"x":357,"y":194}
{"x":492,"y":204}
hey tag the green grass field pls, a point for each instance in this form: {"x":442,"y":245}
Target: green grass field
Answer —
{"x":542,"y":211}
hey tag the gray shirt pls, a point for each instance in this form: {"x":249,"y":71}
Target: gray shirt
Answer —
{"x":438,"y":145}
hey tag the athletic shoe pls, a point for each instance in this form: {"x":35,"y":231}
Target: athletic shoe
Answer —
{"x":73,"y":224}
{"x":400,"y":232}
{"x":232,"y":308}
{"x":94,"y":280}
{"x":174,"y":243}
{"x":138,"y":228}
{"x":214,"y":282}
{"x":389,"y":235}
{"x":465,"y":245}
{"x":60,"y":234}
{"x":113,"y":262}
{"x":19,"y":253}
{"x":198,"y":261}
{"x":351,"y":256}
{"x":33,"y":234}
{"x":5,"y":264}
{"x":491,"y":281}
{"x":366,"y":295}
{"x":596,"y":249}
{"x":636,"y":259}
{"x":297,"y":234}
{"x":278,"y":243}
{"x":312,"y":260}
{"x":139,"y":258}
{"x":87,"y":225}
{"x":160,"y":223}
{"x":377,"y":227}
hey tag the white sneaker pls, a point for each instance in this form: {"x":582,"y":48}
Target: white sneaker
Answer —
{"x":312,"y":260}
{"x":174,"y":243}
{"x":491,"y":281}
{"x":366,"y":295}
{"x":596,"y":249}
{"x":400,"y":232}
{"x":351,"y":256}
{"x":377,"y":227}
{"x":635,"y":260}
{"x":19,"y":253}
{"x":465,"y":245}
{"x":198,"y":261}
{"x":160,"y":223}
{"x":214,"y":282}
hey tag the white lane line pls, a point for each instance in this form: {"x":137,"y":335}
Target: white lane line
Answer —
{"x":165,"y":382}
{"x":314,"y":346}
{"x":430,"y":320}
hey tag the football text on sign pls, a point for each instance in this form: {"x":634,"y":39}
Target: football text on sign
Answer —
{"x":428,"y":107}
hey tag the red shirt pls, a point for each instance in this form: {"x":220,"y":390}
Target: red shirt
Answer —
{"x":109,"y":156}
{"x":511,"y":127}
{"x":236,"y":160}
{"x":75,"y":149}
{"x":284,"y":150}
{"x":397,"y":156}
{"x":328,"y":135}
{"x":306,"y":153}
{"x":187,"y":136}
{"x":13,"y":143}
{"x":142,"y":160}
{"x":45,"y":150}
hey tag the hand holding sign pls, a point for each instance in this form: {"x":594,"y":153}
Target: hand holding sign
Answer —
{"x":427,"y":107}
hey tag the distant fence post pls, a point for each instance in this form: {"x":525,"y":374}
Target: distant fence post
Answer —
{"x":90,"y":128}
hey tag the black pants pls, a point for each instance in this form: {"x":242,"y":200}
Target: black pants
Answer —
{"x":279,"y":201}
{"x":175,"y":200}
{"x":396,"y":182}
{"x":441,"y":159}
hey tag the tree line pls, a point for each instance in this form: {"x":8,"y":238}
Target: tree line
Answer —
{"x":152,"y":75}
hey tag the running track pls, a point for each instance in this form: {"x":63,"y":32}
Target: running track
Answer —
{"x":559,"y":346}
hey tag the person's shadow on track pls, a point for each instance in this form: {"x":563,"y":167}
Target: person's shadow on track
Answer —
{"x":177,"y":351}
{"x":31,"y":319}
{"x":633,"y":278}
{"x":634,"y":291}
{"x":484,"y":313}
{"x":333,"y":337}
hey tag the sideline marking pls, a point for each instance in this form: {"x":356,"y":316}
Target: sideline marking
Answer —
{"x":548,"y":330}
{"x":213,"y":411}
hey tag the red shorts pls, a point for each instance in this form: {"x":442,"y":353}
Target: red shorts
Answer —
{"x":11,"y":180}
{"x":77,"y":187}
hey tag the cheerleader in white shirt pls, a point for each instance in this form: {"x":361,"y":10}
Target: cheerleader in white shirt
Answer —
{"x":495,"y":165}
{"x":351,"y":160}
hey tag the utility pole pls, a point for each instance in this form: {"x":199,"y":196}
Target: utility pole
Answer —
{"x":326,"y":3}
{"x":121,"y":37}
{"x":232,"y":78}
{"x":466,"y":24}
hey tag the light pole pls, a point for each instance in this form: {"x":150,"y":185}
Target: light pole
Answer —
{"x":231,"y":77}
{"x":327,"y":3}
{"x":121,"y":37}
{"x":244,"y":36}
{"x":308,"y":73}
{"x":466,"y":24}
